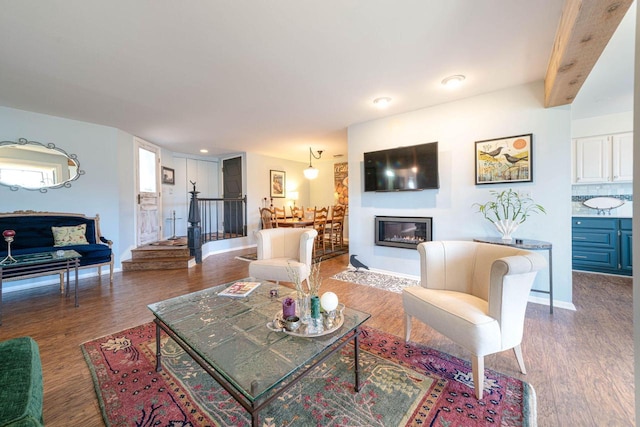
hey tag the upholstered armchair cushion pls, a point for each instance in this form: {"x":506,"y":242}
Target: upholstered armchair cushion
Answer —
{"x":475,"y":294}
{"x":281,"y":252}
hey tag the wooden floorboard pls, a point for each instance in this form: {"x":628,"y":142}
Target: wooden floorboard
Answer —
{"x":580,"y":363}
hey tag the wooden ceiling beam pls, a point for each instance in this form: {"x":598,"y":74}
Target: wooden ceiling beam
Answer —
{"x":585,"y":29}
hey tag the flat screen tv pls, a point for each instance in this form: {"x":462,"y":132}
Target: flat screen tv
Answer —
{"x":402,"y":169}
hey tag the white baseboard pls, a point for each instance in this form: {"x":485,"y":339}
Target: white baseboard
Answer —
{"x":556,"y":303}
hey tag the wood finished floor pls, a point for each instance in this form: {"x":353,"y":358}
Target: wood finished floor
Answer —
{"x":580,"y":363}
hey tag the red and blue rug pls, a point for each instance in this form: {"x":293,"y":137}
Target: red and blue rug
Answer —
{"x":404,"y":384}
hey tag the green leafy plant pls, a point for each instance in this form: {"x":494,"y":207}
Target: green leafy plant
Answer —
{"x":508,"y":205}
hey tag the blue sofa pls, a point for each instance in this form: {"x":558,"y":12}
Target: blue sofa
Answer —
{"x":34,"y":234}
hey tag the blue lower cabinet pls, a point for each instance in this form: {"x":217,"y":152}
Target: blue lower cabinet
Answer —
{"x":602,"y":245}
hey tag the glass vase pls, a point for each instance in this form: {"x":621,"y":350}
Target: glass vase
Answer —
{"x":303,"y":307}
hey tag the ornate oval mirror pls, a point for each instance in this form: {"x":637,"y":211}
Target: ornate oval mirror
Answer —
{"x":35,"y":166}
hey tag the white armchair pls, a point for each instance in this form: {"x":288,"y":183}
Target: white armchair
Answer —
{"x":476,"y":295}
{"x":281,"y":250}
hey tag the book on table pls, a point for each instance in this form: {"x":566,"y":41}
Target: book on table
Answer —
{"x":239,"y":289}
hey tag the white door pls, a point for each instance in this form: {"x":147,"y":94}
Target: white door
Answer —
{"x":148,"y":212}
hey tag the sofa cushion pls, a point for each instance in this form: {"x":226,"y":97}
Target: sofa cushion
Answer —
{"x":71,"y":235}
{"x":21,"y":389}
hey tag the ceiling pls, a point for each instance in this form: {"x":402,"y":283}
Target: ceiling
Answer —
{"x":261,"y":76}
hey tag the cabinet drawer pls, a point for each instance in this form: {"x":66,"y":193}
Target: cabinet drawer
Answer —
{"x":602,"y":223}
{"x":626,"y":224}
{"x":594,"y":238}
{"x":599,"y":258}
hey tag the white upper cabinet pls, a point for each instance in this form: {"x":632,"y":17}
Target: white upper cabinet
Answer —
{"x":603,"y":159}
{"x":622,"y":159}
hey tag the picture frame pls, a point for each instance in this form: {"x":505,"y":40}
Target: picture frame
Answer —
{"x":277,"y":183}
{"x":504,"y":160}
{"x":168,"y":176}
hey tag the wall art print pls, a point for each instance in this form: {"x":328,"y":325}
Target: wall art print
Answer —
{"x":278,"y":182}
{"x":504,"y":160}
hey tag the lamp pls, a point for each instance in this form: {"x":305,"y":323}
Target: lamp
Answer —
{"x":311,"y":172}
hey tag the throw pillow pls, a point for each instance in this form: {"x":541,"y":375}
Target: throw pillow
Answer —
{"x":67,"y":236}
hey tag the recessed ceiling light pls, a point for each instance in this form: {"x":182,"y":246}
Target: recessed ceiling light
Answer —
{"x":382,"y":102}
{"x":452,"y":82}
{"x":204,"y":150}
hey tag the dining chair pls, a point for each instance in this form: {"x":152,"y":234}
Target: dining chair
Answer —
{"x":320,"y":216}
{"x":335,"y":226}
{"x":268,"y":218}
{"x":280,"y":213}
{"x":297,"y":212}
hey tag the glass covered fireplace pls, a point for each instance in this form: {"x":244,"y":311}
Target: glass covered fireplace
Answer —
{"x":402,"y":232}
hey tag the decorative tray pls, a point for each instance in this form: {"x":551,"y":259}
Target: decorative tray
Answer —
{"x":277,"y":325}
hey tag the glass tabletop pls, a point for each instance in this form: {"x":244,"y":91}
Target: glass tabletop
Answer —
{"x":232,"y":336}
{"x":40,"y":258}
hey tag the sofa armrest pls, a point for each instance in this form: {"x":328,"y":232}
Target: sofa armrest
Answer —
{"x":106,"y":241}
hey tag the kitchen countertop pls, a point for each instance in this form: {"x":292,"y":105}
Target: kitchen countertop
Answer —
{"x":583,"y":215}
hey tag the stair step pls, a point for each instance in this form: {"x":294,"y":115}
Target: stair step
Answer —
{"x":158,"y":263}
{"x":153,"y":252}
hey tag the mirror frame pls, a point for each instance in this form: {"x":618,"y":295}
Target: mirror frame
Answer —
{"x":50,"y":146}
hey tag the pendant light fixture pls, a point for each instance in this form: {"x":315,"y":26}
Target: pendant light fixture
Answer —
{"x":311,"y":172}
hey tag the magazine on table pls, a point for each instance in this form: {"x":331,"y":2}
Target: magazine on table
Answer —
{"x":240,"y":289}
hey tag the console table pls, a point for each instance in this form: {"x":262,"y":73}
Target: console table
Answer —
{"x":41,"y":264}
{"x":532,"y":245}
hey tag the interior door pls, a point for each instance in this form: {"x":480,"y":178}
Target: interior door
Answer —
{"x":232,"y":188}
{"x":148,"y":211}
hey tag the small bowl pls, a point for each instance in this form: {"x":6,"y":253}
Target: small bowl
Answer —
{"x":292,"y":323}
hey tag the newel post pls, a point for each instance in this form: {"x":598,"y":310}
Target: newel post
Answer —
{"x":194,"y":232}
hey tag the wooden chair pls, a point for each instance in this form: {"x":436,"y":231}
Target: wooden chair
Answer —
{"x":335,"y":226}
{"x":268,"y":218}
{"x":280,"y":213}
{"x":297,"y":212}
{"x":320,"y":224}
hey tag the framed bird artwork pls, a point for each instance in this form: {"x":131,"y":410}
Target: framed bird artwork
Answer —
{"x":504,"y":160}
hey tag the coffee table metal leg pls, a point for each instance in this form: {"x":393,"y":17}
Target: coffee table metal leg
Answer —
{"x":356,"y":355}
{"x":158,"y":354}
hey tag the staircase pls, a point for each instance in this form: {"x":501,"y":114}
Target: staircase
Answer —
{"x":167,"y":256}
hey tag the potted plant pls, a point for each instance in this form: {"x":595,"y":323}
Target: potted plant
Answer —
{"x":508,"y":210}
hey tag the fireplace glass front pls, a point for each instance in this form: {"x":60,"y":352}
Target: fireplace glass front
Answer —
{"x":402,"y":232}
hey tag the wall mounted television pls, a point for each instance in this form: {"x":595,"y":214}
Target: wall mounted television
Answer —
{"x":402,"y":169}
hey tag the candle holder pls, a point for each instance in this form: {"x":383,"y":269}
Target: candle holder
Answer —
{"x":8,"y":237}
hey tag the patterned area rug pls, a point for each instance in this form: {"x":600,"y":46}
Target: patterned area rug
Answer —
{"x":403,"y":385}
{"x":377,"y":280}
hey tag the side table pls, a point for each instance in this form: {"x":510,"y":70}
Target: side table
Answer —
{"x":532,"y":245}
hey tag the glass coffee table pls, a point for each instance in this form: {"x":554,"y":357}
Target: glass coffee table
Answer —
{"x":229,"y":338}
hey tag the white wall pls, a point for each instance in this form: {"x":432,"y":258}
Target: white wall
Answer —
{"x":456,"y":126}
{"x":105,"y":155}
{"x":602,"y":125}
{"x":258,"y":185}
